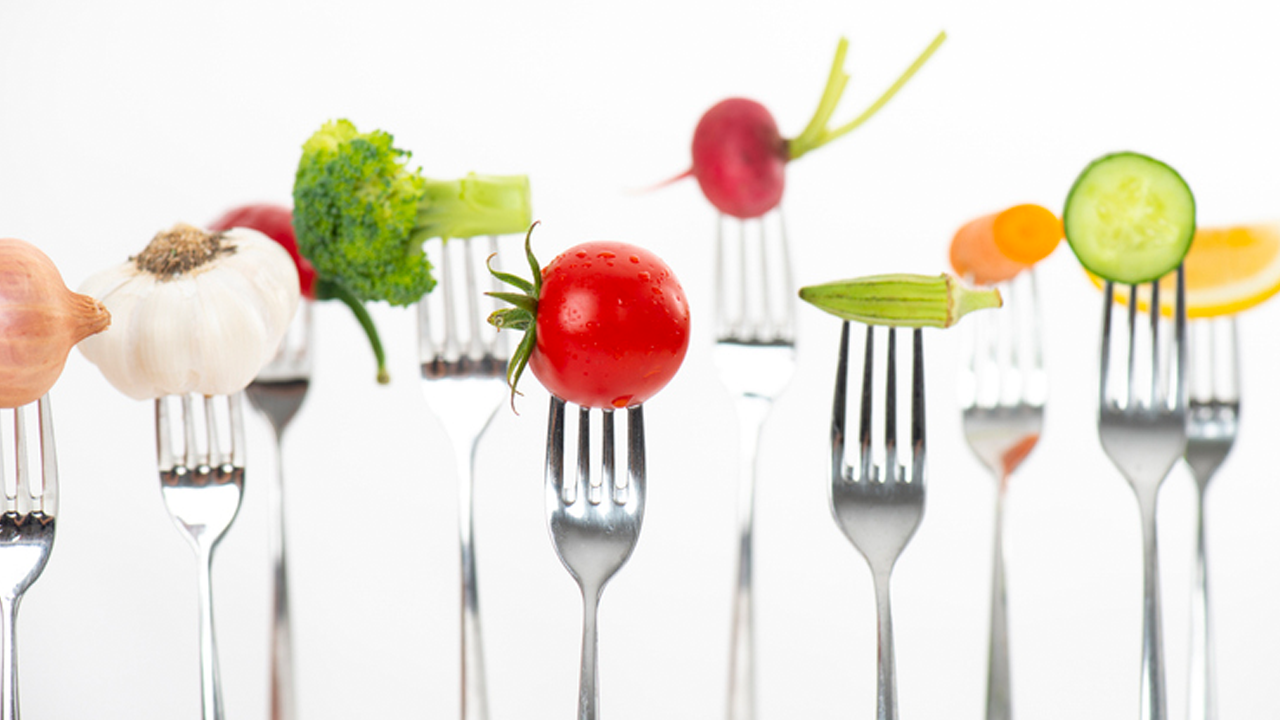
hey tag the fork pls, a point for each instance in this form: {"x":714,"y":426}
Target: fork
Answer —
{"x":463,"y":382}
{"x":594,"y":522}
{"x":277,"y":392}
{"x":202,"y":489}
{"x":1002,"y":393}
{"x":879,"y":507}
{"x":756,"y":355}
{"x":1142,"y":427}
{"x":1213,"y":412}
{"x":26,"y":535}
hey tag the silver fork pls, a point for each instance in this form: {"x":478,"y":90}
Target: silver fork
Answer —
{"x":594,"y":522}
{"x":1142,"y":427}
{"x":879,"y":507}
{"x":202,"y":489}
{"x":26,"y":534}
{"x":1003,"y":388}
{"x":463,"y":370}
{"x":1213,"y":416}
{"x":756,"y":356}
{"x":277,"y":392}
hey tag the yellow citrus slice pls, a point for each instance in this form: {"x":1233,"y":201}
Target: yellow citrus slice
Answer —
{"x":1228,"y":269}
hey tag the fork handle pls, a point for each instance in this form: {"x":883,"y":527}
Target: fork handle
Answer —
{"x":1202,"y":704}
{"x":886,"y":671}
{"x":588,"y":689}
{"x":210,"y":681}
{"x":999,"y":704}
{"x":1153,"y":704}
{"x":9,"y":657}
{"x":282,"y":687}
{"x":752,"y":412}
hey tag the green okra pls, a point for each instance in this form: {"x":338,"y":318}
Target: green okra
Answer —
{"x":901,"y":299}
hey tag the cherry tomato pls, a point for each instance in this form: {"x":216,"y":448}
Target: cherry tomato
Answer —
{"x":276,"y":222}
{"x":612,"y":325}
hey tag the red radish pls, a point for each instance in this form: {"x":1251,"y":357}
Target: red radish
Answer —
{"x":739,"y":157}
{"x":276,"y":222}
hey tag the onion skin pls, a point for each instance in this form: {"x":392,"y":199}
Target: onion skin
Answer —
{"x":41,"y":319}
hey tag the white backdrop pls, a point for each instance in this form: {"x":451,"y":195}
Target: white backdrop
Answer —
{"x":118,"y":119}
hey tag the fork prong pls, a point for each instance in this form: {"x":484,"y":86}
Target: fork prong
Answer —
{"x":1104,"y":365}
{"x":786,"y":331}
{"x":1157,"y":372}
{"x":608,"y":480}
{"x":1131,"y":374}
{"x":555,"y":448}
{"x":838,"y":412}
{"x":917,"y":407}
{"x":164,"y":441}
{"x":21,"y":500}
{"x":1180,"y":342}
{"x":891,"y":411}
{"x":636,"y":473}
{"x":48,"y":459}
{"x":213,"y":446}
{"x":864,"y":426}
{"x":235,"y":415}
{"x":582,"y":486}
{"x":190,"y":453}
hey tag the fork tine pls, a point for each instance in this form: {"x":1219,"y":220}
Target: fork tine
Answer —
{"x":1104,"y":365}
{"x":864,"y":426}
{"x":1131,"y":383}
{"x":583,"y":485}
{"x":20,"y":501}
{"x":838,"y":412}
{"x":48,"y":459}
{"x":189,"y":450}
{"x":1180,"y":341}
{"x":213,"y":446}
{"x":164,"y":442}
{"x":636,"y":472}
{"x":786,"y":332}
{"x":555,"y":448}
{"x":235,"y":413}
{"x":917,"y":407}
{"x":1155,"y":344}
{"x":608,"y":481}
{"x":891,"y":411}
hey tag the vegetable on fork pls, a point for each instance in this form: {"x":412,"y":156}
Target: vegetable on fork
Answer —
{"x":901,"y":299}
{"x":361,"y":217}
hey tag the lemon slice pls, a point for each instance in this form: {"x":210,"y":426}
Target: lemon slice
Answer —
{"x":1228,"y":270}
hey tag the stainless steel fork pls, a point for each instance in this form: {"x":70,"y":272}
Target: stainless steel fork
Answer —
{"x":1003,"y":388}
{"x":756,"y":355}
{"x":1213,"y":417}
{"x":594,"y":522}
{"x":879,"y":507}
{"x":463,"y":369}
{"x":1142,"y":427}
{"x":26,"y":533}
{"x":202,"y":489}
{"x":277,"y":392}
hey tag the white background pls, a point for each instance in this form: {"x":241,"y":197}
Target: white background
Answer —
{"x":118,"y":119}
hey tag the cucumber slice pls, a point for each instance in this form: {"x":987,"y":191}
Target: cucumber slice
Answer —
{"x":1129,"y":218}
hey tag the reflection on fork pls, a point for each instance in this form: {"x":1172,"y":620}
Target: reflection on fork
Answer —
{"x":879,"y":506}
{"x":1002,"y":394}
{"x":1213,"y":416}
{"x":463,"y":369}
{"x":26,"y":531}
{"x":756,"y":356}
{"x":1142,"y":409}
{"x":277,"y":392}
{"x":594,"y":522}
{"x":202,"y":487}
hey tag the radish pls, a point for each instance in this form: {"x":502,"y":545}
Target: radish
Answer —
{"x":739,"y":157}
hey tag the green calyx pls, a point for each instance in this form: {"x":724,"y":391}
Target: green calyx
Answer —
{"x":327,"y":289}
{"x":522,"y":315}
{"x":818,"y":133}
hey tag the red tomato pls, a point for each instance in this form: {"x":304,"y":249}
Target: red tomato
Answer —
{"x":276,"y":222}
{"x":612,"y":325}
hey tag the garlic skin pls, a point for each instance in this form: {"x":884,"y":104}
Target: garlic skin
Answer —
{"x":207,"y":330}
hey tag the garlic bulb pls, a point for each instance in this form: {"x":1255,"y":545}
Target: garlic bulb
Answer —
{"x":195,"y":312}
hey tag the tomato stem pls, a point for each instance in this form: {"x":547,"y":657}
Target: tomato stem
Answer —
{"x":327,"y":289}
{"x":816,"y":133}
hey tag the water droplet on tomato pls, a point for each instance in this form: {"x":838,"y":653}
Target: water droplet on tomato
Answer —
{"x":621,"y":402}
{"x":581,"y":254}
{"x":635,"y":259}
{"x":607,"y":255}
{"x":644,"y":276}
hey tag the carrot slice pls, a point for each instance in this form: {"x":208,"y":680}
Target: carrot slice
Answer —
{"x":1027,"y":233}
{"x":974,"y":254}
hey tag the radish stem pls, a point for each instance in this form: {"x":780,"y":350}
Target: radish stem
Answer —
{"x":816,"y":134}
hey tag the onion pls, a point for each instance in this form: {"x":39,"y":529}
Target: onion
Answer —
{"x":40,"y":321}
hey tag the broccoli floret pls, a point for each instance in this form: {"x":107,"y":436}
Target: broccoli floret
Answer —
{"x":361,"y":217}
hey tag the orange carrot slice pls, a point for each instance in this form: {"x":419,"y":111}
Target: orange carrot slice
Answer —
{"x":974,"y":254}
{"x":1027,"y":233}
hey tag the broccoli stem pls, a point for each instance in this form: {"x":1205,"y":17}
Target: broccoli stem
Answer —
{"x":327,"y":289}
{"x":474,"y":205}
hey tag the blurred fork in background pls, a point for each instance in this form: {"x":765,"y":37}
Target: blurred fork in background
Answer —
{"x":1213,"y":416}
{"x":277,"y":392}
{"x":1002,"y":389}
{"x":463,"y":363}
{"x":755,"y":353}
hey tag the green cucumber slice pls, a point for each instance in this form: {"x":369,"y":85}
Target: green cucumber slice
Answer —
{"x":1129,"y":218}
